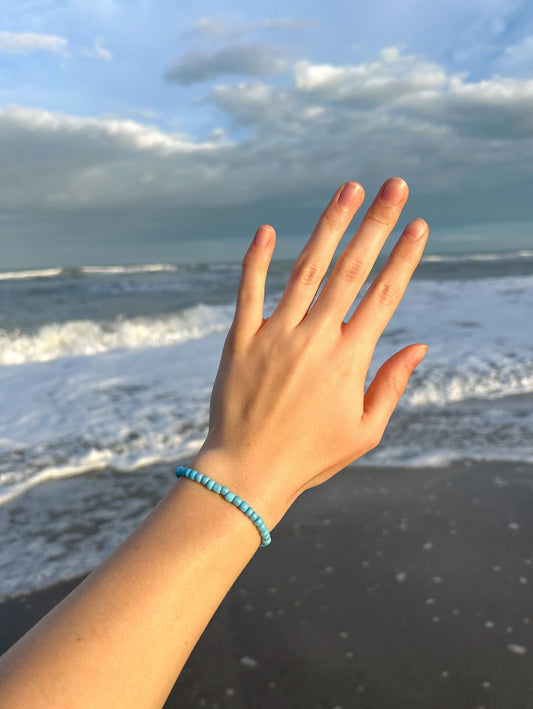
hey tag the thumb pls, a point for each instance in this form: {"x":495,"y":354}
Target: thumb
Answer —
{"x":387,"y":387}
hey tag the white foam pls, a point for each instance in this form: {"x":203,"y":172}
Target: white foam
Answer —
{"x":124,"y":408}
{"x":85,"y":337}
{"x":463,"y":258}
{"x":37,"y":273}
{"x":145,"y":268}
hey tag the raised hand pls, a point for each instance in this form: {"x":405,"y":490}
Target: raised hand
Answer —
{"x":288,"y":409}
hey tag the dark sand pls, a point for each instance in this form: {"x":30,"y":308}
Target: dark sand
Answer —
{"x":384,"y":588}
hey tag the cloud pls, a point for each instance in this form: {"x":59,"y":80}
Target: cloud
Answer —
{"x":464,"y":147}
{"x":246,"y":59}
{"x":383,"y":81}
{"x":27,"y":42}
{"x":97,"y":51}
{"x":212,"y":28}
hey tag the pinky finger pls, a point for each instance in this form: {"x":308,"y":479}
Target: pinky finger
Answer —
{"x":251,"y":294}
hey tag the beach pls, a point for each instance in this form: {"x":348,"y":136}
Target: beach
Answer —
{"x":385,"y":587}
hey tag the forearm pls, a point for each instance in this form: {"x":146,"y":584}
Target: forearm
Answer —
{"x":122,"y":637}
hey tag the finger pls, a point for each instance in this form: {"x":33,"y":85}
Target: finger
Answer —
{"x":387,"y":387}
{"x":315,"y":258}
{"x":384,"y":295}
{"x":251,"y":293}
{"x":356,"y":261}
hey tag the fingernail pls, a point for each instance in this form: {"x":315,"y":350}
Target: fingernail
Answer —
{"x":418,"y":355}
{"x":348,"y":194}
{"x":262,"y":236}
{"x":416,"y":229}
{"x":393,"y":190}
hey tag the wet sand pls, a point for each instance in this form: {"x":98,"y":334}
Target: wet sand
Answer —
{"x":383,"y":588}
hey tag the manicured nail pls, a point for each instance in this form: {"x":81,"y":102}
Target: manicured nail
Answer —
{"x":416,"y":229}
{"x":418,"y":356}
{"x":393,"y":190}
{"x":262,"y":236}
{"x":347,"y":197}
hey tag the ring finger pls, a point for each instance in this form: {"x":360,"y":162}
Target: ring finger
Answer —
{"x":373,"y":313}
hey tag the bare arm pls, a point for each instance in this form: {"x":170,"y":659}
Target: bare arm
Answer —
{"x":288,"y":411}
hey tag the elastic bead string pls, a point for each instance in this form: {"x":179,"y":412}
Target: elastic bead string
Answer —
{"x":223,"y":491}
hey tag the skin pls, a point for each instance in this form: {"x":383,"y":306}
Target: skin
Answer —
{"x":288,"y":411}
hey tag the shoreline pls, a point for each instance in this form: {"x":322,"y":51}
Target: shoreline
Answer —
{"x":383,"y":588}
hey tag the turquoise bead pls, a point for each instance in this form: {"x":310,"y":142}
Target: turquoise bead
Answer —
{"x":210,"y":484}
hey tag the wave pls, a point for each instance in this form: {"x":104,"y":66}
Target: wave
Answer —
{"x":464,"y":258}
{"x":147,"y":268}
{"x":224,"y":266}
{"x":89,"y":270}
{"x":475,"y":381}
{"x":86,"y":337}
{"x":36,"y":273}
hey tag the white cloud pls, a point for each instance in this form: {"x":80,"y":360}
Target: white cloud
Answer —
{"x":97,"y":51}
{"x":26,"y":42}
{"x":383,"y":81}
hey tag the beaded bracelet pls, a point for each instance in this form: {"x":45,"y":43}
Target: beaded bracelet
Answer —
{"x":210,"y":484}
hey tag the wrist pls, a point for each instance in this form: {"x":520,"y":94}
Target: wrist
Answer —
{"x":248,"y":483}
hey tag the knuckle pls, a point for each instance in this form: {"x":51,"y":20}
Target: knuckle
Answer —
{"x":245,"y":293}
{"x":352,"y":269}
{"x":403,"y":253}
{"x":381,"y":217}
{"x":333,"y":220}
{"x":247,"y":261}
{"x":375,"y":439}
{"x":398,"y":384}
{"x":385,"y":293}
{"x":308,"y":273}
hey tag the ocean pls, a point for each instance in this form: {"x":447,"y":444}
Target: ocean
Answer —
{"x":110,"y":368}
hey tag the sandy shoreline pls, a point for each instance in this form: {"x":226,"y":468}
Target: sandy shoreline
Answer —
{"x":383,"y":588}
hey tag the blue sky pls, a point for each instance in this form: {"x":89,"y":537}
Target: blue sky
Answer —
{"x":146,"y":130}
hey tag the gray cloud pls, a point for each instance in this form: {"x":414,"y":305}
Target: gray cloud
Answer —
{"x":465,"y":149}
{"x":246,"y":59}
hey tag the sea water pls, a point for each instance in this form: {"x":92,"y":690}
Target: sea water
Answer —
{"x":112,"y":368}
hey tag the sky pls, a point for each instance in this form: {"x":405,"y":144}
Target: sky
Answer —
{"x":142,"y":131}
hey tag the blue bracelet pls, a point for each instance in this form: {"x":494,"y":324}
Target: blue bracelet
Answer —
{"x":210,"y":484}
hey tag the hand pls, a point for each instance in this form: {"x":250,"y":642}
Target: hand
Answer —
{"x":288,"y":407}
